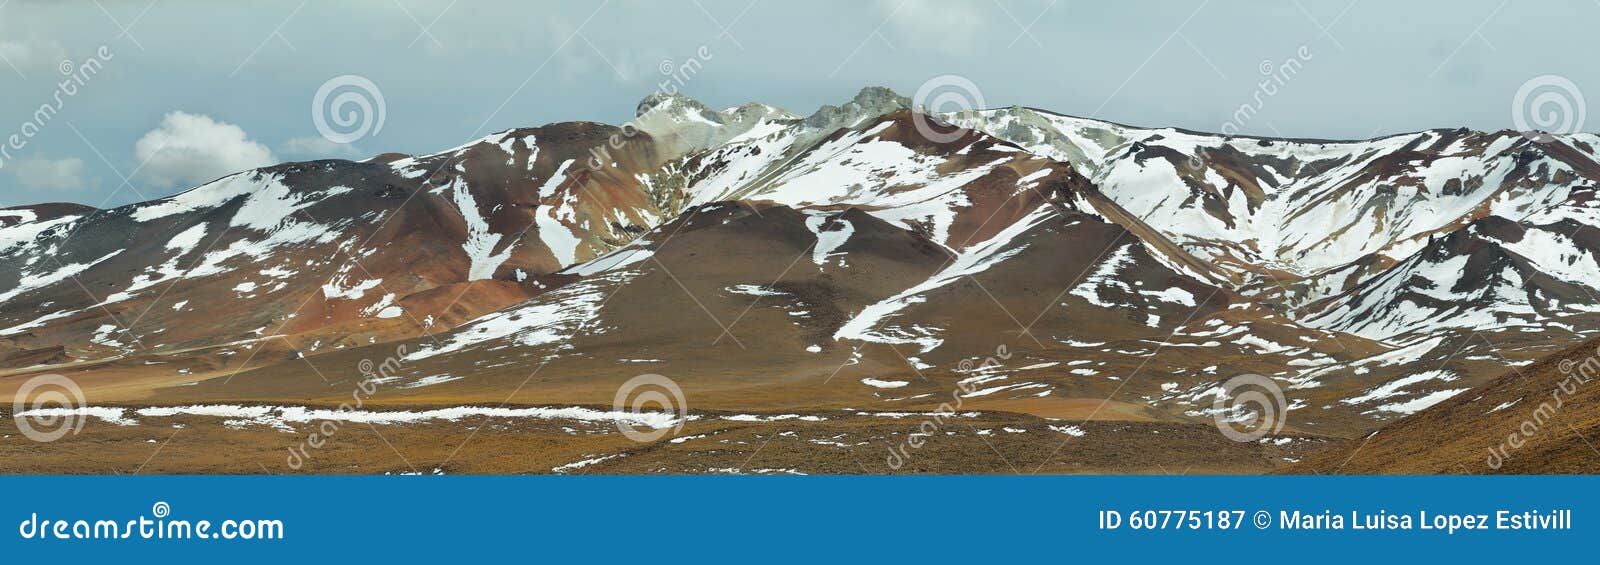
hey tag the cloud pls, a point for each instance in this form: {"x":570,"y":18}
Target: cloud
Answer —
{"x":50,"y":174}
{"x":193,"y":149}
{"x":317,"y":147}
{"x":951,"y":26}
{"x":31,"y":55}
{"x":578,"y":58}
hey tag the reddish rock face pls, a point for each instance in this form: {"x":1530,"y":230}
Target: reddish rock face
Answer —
{"x":758,"y":256}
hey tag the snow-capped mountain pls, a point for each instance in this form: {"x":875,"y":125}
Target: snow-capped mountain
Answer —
{"x":752,"y":251}
{"x":346,"y":252}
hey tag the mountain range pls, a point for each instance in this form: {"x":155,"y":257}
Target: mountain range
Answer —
{"x":1091,"y":285}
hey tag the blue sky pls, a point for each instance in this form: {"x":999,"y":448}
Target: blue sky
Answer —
{"x":192,"y":89}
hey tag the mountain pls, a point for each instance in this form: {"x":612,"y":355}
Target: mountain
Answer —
{"x":331,"y":253}
{"x":1039,"y":268}
{"x":1539,"y":419}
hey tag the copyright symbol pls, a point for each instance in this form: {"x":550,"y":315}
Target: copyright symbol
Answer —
{"x":645,"y":391}
{"x":347,"y":108}
{"x":1263,"y":519}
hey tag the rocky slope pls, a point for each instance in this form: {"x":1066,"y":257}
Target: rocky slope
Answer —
{"x":842,"y":260}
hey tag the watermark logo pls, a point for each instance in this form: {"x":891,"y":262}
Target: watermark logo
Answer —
{"x":647,"y":393}
{"x":902,"y":453}
{"x":348,"y":108}
{"x":74,"y":78}
{"x":1249,"y":407}
{"x":1576,"y":373}
{"x":1546,"y":105}
{"x":323,"y":431}
{"x":157,"y":525}
{"x":45,"y":408}
{"x":678,"y":75}
{"x":944,"y":94}
{"x":675,"y":77}
{"x":1275,"y":76}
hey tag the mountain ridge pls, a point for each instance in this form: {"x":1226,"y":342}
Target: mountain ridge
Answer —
{"x":1136,"y":265}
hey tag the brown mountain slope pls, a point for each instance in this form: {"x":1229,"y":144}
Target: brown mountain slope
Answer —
{"x":328,"y":253}
{"x":815,"y":281}
{"x":1543,"y":418}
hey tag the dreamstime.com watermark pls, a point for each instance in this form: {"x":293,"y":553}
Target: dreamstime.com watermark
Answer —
{"x":676,"y":76}
{"x":157,"y":525}
{"x":372,"y":374}
{"x":74,"y":78}
{"x":45,"y":408}
{"x":944,"y":94}
{"x":1249,"y":407}
{"x":647,"y":393}
{"x":1548,"y":105}
{"x":1275,"y":76}
{"x":1577,"y":373}
{"x":900,"y":454}
{"x":348,"y":108}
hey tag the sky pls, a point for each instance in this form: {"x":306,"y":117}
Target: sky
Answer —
{"x":177,"y":93}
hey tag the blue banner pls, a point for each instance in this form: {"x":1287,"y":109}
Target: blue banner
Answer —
{"x":763,"y":519}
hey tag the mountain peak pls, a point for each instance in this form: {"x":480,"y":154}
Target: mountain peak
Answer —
{"x":869,"y":102}
{"x":757,"y":110}
{"x":674,"y":103}
{"x":879,"y":96}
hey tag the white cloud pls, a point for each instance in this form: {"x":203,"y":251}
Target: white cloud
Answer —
{"x":193,"y":149}
{"x":31,"y":55}
{"x":951,"y":26}
{"x":579,"y":58}
{"x":317,"y":147}
{"x":50,"y":174}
